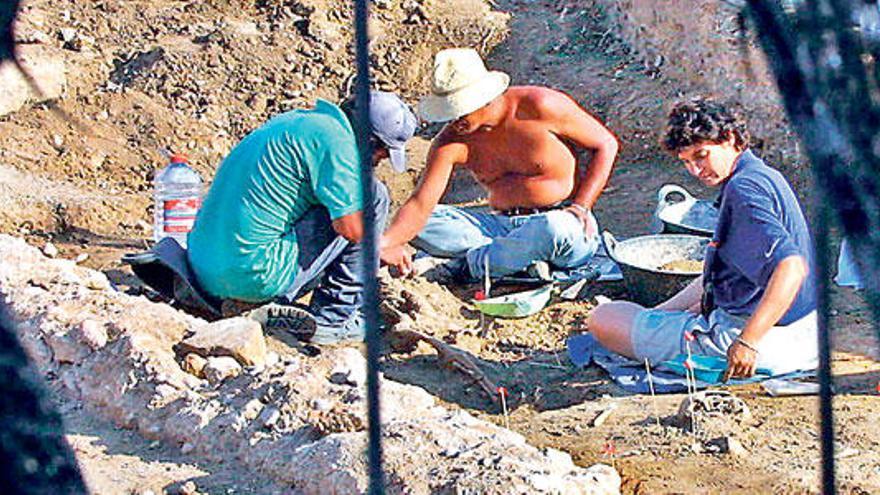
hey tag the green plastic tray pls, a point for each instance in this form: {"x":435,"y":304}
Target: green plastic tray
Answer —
{"x":517,"y":305}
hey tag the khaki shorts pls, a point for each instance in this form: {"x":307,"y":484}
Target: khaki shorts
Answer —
{"x":658,"y":335}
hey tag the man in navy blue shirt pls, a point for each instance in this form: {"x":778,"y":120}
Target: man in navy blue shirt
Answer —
{"x":755,"y":302}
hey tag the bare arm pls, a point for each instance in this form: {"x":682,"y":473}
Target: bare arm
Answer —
{"x":350,"y":226}
{"x":574,"y":124}
{"x":413,"y":215}
{"x":783,"y":287}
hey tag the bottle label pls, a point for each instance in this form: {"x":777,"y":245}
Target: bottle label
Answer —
{"x":180,"y":214}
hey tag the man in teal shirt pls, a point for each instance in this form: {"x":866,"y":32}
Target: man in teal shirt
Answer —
{"x":285,"y":212}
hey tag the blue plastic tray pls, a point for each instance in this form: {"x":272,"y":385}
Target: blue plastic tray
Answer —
{"x":707,"y":369}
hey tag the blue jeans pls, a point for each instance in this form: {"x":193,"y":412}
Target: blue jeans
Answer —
{"x":331,"y":265}
{"x":511,"y":243}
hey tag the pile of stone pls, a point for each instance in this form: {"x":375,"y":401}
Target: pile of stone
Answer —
{"x":214,"y":390}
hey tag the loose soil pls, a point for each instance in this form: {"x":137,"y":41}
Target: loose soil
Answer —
{"x":223,"y":67}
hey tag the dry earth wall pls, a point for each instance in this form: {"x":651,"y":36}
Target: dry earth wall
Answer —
{"x":299,"y":421}
{"x":701,"y":47}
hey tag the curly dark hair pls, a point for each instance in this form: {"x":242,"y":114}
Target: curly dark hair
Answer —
{"x":704,"y":120}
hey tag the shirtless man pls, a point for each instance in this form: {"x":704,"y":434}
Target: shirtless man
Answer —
{"x":520,"y":143}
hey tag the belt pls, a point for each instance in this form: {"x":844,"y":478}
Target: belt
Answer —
{"x":518,"y":211}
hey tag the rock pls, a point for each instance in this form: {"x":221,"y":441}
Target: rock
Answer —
{"x":252,"y":409}
{"x":322,"y":405}
{"x":67,"y":34}
{"x":221,"y":368}
{"x":45,"y":65}
{"x":66,"y":348}
{"x":258,"y":102}
{"x":723,"y":445}
{"x":602,"y":479}
{"x":734,"y":447}
{"x":240,"y":338}
{"x":351,"y":368}
{"x":93,"y":334}
{"x":272,"y":359}
{"x":603,"y":416}
{"x":164,"y":394}
{"x":188,"y":488}
{"x":81,"y":257}
{"x":194,"y":365}
{"x":96,"y":280}
{"x":50,"y":250}
{"x":708,"y":404}
{"x":244,"y":28}
{"x":270,"y":416}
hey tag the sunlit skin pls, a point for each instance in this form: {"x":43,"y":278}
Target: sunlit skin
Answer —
{"x":522,"y":148}
{"x":711,"y":163}
{"x":612,"y":322}
{"x":482,"y":119}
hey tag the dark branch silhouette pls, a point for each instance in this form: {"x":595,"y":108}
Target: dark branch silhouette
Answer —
{"x":8,"y":12}
{"x":34,"y":455}
{"x":825,"y":65}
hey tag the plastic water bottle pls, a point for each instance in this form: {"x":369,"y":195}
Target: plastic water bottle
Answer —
{"x":177,"y":194}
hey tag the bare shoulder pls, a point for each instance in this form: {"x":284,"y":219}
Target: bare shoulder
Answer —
{"x":543,"y":102}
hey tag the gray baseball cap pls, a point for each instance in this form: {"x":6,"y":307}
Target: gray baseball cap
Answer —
{"x":394,"y":124}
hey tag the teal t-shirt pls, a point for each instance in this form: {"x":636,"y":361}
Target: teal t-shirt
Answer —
{"x":243,"y":245}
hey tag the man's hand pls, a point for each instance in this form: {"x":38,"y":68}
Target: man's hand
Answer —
{"x":399,"y":259}
{"x":587,"y":220}
{"x":741,"y":361}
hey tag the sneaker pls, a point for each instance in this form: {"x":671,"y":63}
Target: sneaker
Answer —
{"x":295,"y":320}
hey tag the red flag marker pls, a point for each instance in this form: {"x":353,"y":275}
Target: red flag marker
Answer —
{"x":878,"y":387}
{"x":689,"y":337}
{"x":609,"y":448}
{"x":479,"y":295}
{"x":689,"y":364}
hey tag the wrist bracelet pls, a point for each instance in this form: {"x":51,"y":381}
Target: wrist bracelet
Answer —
{"x":747,"y":345}
{"x":583,"y":209}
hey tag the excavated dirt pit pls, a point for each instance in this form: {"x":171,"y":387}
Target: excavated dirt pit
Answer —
{"x":195,"y":77}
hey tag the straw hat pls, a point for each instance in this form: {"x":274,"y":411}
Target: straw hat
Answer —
{"x":460,"y":85}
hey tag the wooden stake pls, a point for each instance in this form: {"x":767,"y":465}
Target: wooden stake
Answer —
{"x":503,"y":393}
{"x":691,"y":379}
{"x":487,"y":286}
{"x":651,"y":387}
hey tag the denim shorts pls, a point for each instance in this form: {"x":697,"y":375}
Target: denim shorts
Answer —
{"x":658,"y":335}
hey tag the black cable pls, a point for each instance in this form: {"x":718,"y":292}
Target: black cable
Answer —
{"x":826,"y":379}
{"x":370,"y":257}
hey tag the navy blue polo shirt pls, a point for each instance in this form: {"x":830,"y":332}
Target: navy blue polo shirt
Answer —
{"x":760,"y":223}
